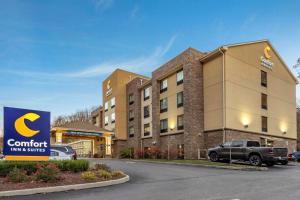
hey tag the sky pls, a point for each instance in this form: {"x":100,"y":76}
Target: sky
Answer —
{"x":55,"y":54}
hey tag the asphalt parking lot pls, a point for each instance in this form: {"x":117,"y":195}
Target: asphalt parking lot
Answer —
{"x":153,"y":181}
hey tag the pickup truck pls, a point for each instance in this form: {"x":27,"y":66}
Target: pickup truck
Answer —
{"x":249,"y":150}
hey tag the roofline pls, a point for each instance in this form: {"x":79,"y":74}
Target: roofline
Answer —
{"x":225,"y":47}
{"x":82,"y":130}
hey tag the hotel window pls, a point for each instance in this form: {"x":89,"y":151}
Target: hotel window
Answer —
{"x":264,"y":101}
{"x":264,"y":79}
{"x":146,"y":93}
{"x":179,"y":77}
{"x":131,"y":131}
{"x":179,"y":99}
{"x":113,"y":118}
{"x":163,"y":105}
{"x":106,"y":120}
{"x":180,"y":122}
{"x":264,"y":124}
{"x":106,"y":106}
{"x":163,"y":85}
{"x":113,"y":102}
{"x":131,"y":115}
{"x":163,"y":125}
{"x":131,"y":100}
{"x":146,"y":129}
{"x":146,"y":111}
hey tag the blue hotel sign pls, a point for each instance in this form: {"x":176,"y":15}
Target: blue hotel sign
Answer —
{"x":26,"y":134}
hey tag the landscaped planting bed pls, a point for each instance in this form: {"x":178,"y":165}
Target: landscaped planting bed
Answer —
{"x":16,"y":175}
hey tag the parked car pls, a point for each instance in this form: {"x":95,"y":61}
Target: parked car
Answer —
{"x":248,"y":150}
{"x":65,"y":149}
{"x":291,"y":157}
{"x":297,"y":156}
{"x":59,"y":155}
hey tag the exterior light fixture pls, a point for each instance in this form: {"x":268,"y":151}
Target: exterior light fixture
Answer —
{"x":246,"y":126}
{"x":284,"y":132}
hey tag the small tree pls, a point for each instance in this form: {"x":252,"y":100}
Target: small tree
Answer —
{"x":297,"y":67}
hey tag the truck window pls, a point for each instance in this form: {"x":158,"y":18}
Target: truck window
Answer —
{"x":253,"y":144}
{"x":237,"y":143}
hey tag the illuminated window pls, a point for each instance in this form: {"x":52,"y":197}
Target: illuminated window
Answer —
{"x":163,"y":125}
{"x":179,"y":77}
{"x":163,"y":85}
{"x":264,"y":124}
{"x":264,"y":101}
{"x":163,"y":105}
{"x":264,"y":79}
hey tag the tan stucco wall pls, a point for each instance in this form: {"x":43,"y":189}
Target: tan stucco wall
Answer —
{"x":212,"y":86}
{"x":173,"y":111}
{"x":243,"y":92}
{"x":147,"y":120}
{"x":118,"y":80}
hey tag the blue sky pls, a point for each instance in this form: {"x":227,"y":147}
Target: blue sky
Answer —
{"x":55,"y":54}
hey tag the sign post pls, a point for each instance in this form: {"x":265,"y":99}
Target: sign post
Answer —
{"x":26,"y":134}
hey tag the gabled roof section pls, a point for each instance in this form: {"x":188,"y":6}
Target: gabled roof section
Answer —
{"x":223,"y":48}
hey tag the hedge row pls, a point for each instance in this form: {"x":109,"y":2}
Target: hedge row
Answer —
{"x":31,"y":166}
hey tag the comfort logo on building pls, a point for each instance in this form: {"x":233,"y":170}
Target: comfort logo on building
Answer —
{"x":265,"y":60}
{"x":26,"y":134}
{"x":109,"y":89}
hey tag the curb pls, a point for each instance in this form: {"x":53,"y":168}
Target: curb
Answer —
{"x":63,"y":188}
{"x":206,"y":166}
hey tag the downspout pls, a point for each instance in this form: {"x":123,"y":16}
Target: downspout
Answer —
{"x":221,"y":49}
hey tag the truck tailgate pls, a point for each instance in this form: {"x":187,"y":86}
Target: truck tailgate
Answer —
{"x":280,"y":152}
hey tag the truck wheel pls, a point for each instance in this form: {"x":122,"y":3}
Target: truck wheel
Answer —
{"x":284,"y":162}
{"x":255,"y":160}
{"x":213,"y":156}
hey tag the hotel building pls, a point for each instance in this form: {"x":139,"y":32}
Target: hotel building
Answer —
{"x":198,"y":100}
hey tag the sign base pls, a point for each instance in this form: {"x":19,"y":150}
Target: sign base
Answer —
{"x":27,"y":158}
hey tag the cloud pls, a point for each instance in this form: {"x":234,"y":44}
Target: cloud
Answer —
{"x":103,"y":4}
{"x":134,"y":11}
{"x":141,"y":64}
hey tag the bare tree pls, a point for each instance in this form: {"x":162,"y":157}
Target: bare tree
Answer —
{"x":297,"y":67}
{"x":81,"y":115}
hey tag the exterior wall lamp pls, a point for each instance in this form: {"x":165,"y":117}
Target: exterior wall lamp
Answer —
{"x":284,"y":132}
{"x":246,"y":126}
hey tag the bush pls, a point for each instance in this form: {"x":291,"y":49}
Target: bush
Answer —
{"x":117,"y":174}
{"x":31,"y":166}
{"x":102,"y":167}
{"x":73,"y":165}
{"x":104,"y":174}
{"x":17,"y":175}
{"x":47,"y":173}
{"x":127,"y":153}
{"x":88,"y":176}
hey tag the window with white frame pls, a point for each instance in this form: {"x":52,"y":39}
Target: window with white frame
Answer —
{"x":113,"y":117}
{"x":179,"y":77}
{"x":163,"y":85}
{"x":106,"y":106}
{"x":146,"y":93}
{"x":113,"y":102}
{"x":106,"y":120}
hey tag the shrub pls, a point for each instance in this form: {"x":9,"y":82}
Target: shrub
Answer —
{"x":88,"y":176}
{"x":102,"y":167}
{"x":127,"y":153}
{"x":73,"y":165}
{"x":104,"y":174}
{"x":7,"y":166}
{"x":117,"y":174}
{"x":17,"y":175}
{"x":47,"y":173}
